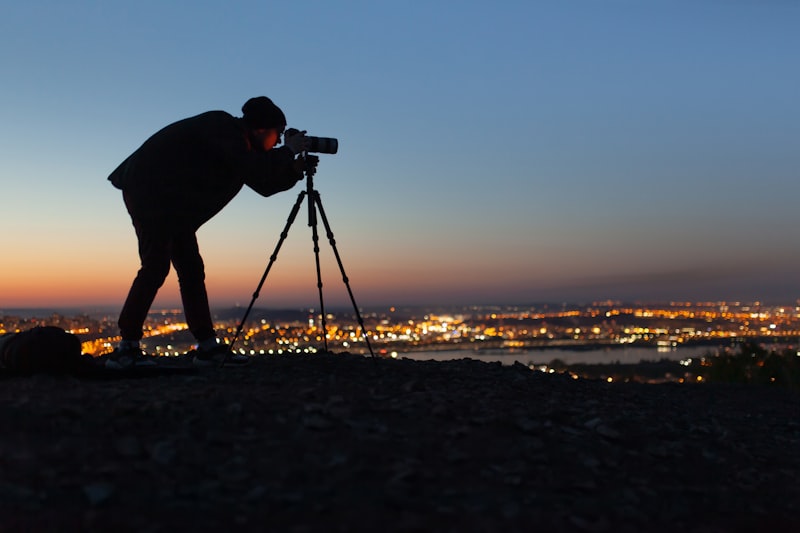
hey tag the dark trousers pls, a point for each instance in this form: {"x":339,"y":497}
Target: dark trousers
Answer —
{"x":160,"y":246}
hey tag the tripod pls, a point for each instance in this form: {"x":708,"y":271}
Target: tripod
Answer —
{"x":314,"y":205}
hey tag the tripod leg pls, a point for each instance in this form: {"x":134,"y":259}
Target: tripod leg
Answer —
{"x":312,"y":221}
{"x":315,"y":199}
{"x":272,"y":259}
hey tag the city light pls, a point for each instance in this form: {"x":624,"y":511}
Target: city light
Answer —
{"x":397,"y":332}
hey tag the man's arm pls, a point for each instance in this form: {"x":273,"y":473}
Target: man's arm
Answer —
{"x":273,"y":171}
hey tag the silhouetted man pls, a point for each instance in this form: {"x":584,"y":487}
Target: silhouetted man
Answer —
{"x":176,"y":181}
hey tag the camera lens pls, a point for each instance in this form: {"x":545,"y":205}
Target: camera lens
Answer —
{"x":323,"y":145}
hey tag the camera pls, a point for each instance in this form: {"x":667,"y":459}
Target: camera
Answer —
{"x":320,"y":145}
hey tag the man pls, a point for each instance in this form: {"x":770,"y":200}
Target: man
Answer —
{"x":176,"y":181}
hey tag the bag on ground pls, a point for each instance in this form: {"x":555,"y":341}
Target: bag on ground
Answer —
{"x":47,"y":349}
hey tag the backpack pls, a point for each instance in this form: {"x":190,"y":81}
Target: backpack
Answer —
{"x":47,"y":349}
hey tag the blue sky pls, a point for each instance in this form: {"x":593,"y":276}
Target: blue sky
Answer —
{"x":489,"y":153}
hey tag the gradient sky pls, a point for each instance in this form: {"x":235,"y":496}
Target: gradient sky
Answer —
{"x":504,"y":152}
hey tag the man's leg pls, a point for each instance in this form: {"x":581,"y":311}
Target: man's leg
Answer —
{"x":154,"y":253}
{"x":191,"y":278}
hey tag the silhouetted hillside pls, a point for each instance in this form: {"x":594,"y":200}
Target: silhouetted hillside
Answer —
{"x":346,"y":443}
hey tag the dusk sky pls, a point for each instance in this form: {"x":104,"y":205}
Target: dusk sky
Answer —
{"x":503,"y":152}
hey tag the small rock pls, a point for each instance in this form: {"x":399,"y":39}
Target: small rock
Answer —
{"x":128,"y":446}
{"x":12,"y":492}
{"x":527,"y":425}
{"x":410,"y":386}
{"x":163,"y":452}
{"x":98,"y":493}
{"x":256,"y":493}
{"x":439,"y":409}
{"x":608,"y":432}
{"x":593,"y":423}
{"x":318,"y":422}
{"x":337,"y":459}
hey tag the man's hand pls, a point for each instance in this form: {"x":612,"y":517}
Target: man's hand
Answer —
{"x":296,"y":140}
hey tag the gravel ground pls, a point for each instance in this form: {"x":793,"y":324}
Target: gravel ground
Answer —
{"x":345,"y":443}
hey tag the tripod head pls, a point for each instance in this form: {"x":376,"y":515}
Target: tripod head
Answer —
{"x":310,"y":162}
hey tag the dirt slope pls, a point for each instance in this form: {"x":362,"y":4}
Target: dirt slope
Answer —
{"x":344,"y":443}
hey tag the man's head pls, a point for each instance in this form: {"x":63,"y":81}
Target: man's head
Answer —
{"x":261,"y":113}
{"x":265,"y":120}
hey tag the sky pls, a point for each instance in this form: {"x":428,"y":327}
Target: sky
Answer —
{"x":489,"y":153}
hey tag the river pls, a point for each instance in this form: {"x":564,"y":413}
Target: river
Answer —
{"x":509,"y":356}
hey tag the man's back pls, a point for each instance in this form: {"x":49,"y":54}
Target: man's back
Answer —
{"x":186,"y":171}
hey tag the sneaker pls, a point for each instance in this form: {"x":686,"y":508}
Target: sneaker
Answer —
{"x":215,"y":356}
{"x":127,"y":359}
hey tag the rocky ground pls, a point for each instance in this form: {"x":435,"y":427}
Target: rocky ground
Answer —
{"x":345,"y":443}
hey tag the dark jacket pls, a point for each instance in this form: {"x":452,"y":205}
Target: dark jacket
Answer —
{"x":187,"y":172}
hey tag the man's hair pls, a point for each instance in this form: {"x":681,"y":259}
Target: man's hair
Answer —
{"x":261,"y":112}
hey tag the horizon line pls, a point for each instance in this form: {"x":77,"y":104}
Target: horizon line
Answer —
{"x":340,"y":307}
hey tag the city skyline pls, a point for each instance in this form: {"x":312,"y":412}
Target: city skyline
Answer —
{"x":598,"y":332}
{"x":508,"y":153}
